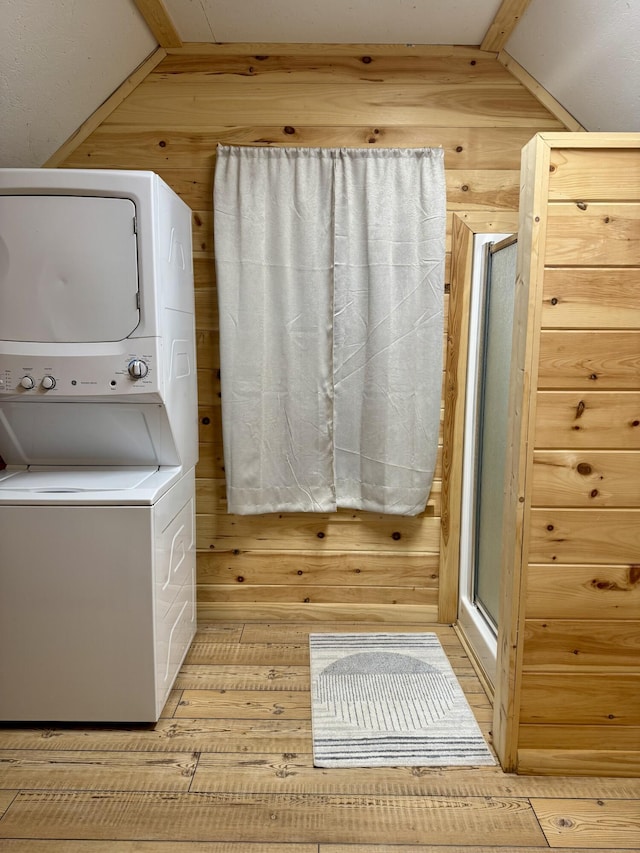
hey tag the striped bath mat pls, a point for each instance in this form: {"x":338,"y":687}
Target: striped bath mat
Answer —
{"x":384,"y":700}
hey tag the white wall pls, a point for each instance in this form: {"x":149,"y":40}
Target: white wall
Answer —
{"x":334,"y":21}
{"x":586,"y":53}
{"x":59,"y":60}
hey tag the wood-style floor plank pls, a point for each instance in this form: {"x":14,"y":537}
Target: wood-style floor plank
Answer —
{"x":428,"y":848}
{"x":270,"y":817}
{"x":590,"y":823}
{"x":214,"y":677}
{"x":204,"y":651}
{"x":6,"y":798}
{"x":94,"y":770}
{"x":294,"y":773}
{"x":243,"y":704}
{"x":170,"y":735}
{"x":67,"y":846}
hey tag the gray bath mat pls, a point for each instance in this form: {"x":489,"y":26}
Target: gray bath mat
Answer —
{"x":385,"y":700}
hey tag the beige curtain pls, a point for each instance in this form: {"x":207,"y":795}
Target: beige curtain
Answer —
{"x":330,"y":275}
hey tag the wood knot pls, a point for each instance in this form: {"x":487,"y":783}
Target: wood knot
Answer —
{"x":162,"y":143}
{"x":554,"y":300}
{"x":320,"y":534}
{"x":584,"y":468}
{"x":459,"y":148}
{"x":395,"y":535}
{"x":580,"y":409}
{"x":240,"y":579}
{"x":582,"y":205}
{"x":366,"y":59}
{"x":290,"y":130}
{"x":206,"y":421}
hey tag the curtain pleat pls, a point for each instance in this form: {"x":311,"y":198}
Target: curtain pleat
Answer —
{"x":330,"y":276}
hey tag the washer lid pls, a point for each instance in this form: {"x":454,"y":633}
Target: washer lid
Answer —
{"x":68,"y":268}
{"x":44,"y":480}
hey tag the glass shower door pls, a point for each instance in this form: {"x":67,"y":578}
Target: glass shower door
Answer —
{"x":492,"y":415}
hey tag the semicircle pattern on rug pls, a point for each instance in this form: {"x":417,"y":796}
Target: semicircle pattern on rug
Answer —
{"x":389,"y":700}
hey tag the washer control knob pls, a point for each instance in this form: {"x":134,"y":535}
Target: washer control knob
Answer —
{"x":48,"y":382}
{"x":138,"y":369}
{"x":27,"y":383}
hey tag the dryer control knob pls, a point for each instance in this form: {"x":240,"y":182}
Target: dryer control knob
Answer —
{"x":48,"y":382}
{"x":138,"y":369}
{"x":27,"y":382}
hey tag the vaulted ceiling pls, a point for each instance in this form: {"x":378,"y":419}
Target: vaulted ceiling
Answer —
{"x":60,"y":59}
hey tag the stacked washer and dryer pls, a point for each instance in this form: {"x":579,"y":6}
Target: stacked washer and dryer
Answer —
{"x":98,"y":431}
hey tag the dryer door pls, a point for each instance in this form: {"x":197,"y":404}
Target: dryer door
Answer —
{"x":68,"y":269}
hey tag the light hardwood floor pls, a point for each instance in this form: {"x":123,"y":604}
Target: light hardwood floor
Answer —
{"x":228,"y":769}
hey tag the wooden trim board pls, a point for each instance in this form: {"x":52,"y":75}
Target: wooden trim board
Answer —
{"x":159,"y":21}
{"x":503,"y":25}
{"x":104,"y":110}
{"x":539,"y":92}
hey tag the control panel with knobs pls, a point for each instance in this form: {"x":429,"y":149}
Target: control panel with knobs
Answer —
{"x":138,"y":368}
{"x":27,"y":382}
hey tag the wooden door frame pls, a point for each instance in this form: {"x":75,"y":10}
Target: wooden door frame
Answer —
{"x":465,"y":227}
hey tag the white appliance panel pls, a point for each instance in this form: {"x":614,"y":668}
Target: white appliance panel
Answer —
{"x":76,"y":600}
{"x":90,"y":486}
{"x":68,"y":268}
{"x":45,"y":479}
{"x":49,"y":433}
{"x":86,"y":631}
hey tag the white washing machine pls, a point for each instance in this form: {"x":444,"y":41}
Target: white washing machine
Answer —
{"x":98,"y":430}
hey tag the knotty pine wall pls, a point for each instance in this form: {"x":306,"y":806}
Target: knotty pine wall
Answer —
{"x":350,"y":565}
{"x":579,"y":660}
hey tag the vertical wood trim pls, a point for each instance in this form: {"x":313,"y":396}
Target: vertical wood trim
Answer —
{"x":503,"y":24}
{"x":159,"y":22}
{"x":539,"y":92}
{"x":454,"y":399}
{"x":105,"y":109}
{"x":526,"y":337}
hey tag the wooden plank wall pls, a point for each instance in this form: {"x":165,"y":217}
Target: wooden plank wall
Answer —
{"x":580,"y":684}
{"x":350,"y":565}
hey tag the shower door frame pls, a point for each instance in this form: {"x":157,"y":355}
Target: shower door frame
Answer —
{"x":476,"y":622}
{"x":466,"y":224}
